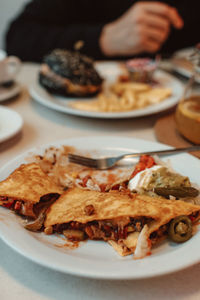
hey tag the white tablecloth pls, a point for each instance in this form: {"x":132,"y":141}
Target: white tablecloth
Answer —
{"x":22,"y":279}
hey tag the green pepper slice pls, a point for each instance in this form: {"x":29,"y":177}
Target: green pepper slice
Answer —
{"x":178,"y":192}
{"x":180,"y":229}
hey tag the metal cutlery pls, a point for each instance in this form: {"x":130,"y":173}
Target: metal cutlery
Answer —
{"x":109,"y":162}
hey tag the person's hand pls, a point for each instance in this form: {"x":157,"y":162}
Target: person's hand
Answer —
{"x":143,"y":28}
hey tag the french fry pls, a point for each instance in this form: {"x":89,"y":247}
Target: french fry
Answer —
{"x":120,"y":87}
{"x":124,"y":96}
{"x":129,"y":100}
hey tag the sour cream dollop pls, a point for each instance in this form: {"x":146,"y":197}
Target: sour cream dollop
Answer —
{"x":142,"y":179}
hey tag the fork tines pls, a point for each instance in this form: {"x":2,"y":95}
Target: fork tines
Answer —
{"x":82,"y":160}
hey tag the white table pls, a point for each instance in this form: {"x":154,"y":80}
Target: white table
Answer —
{"x":21,"y":279}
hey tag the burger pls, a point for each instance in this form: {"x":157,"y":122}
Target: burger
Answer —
{"x":69,"y":73}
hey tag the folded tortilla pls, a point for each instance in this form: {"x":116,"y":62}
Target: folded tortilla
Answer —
{"x":27,"y":184}
{"x":116,"y":217}
{"x":71,"y":207}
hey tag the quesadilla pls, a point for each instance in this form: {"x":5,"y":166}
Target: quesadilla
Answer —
{"x":25,"y":189}
{"x":131,"y":223}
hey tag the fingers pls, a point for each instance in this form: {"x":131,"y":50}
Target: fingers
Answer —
{"x":151,"y":46}
{"x":154,"y":20}
{"x":157,"y":22}
{"x":152,"y":38}
{"x":156,"y":34}
{"x":164,"y":11}
{"x":175,"y":18}
{"x":144,"y":27}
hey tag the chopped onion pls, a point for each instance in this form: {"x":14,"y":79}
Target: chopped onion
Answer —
{"x":143,"y":246}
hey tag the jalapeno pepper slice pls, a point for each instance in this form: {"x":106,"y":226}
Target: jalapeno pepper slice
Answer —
{"x":180,"y":229}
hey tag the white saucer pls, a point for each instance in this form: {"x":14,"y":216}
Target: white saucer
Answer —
{"x":9,"y":92}
{"x":10,"y":123}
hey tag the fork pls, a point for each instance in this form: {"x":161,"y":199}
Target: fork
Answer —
{"x":109,"y":162}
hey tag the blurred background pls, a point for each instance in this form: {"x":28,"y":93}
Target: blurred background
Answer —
{"x":8,"y":10}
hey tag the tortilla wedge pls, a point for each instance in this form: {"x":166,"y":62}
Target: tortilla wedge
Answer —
{"x":28,"y":184}
{"x":71,"y":206}
{"x":116,"y":217}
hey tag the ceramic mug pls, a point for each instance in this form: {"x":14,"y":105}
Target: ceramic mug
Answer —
{"x":9,"y":67}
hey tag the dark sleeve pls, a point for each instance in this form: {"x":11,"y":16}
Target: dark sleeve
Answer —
{"x":48,"y":24}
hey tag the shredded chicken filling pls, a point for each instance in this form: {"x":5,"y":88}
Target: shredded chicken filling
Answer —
{"x":19,"y":206}
{"x":28,"y":209}
{"x":116,"y":229}
{"x":159,"y":234}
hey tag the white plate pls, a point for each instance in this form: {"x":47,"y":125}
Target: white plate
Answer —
{"x":110,"y":71}
{"x":96,"y":259}
{"x":9,"y":92}
{"x":10,"y":123}
{"x":182,"y":65}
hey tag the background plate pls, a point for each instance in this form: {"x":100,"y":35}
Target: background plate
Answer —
{"x":10,"y":123}
{"x":96,"y":259}
{"x":7,"y":93}
{"x":110,"y":71}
